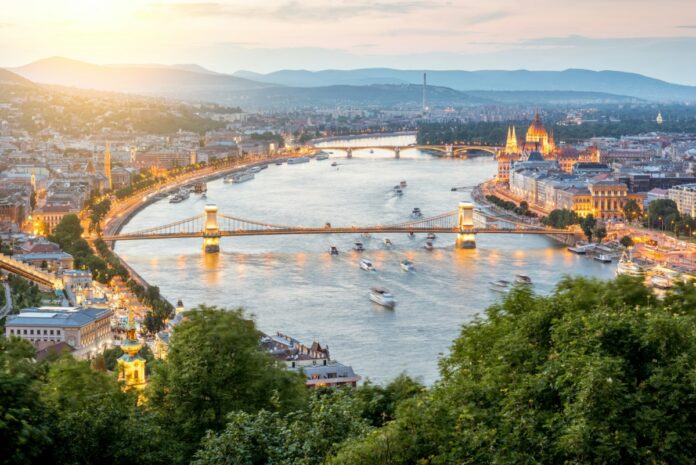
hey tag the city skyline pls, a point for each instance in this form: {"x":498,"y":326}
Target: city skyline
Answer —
{"x":227,"y":36}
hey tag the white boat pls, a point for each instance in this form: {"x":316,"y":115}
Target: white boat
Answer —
{"x":358,"y":247}
{"x":407,"y":265}
{"x":523,"y":279}
{"x":333,"y":250}
{"x":321,"y":156}
{"x":431,"y":236}
{"x":298,"y":160}
{"x":242,"y":177}
{"x":628,"y":267}
{"x":500,"y":285}
{"x":416,"y":213}
{"x":387,"y":242}
{"x":603,"y":257}
{"x":581,"y":249}
{"x":661,"y":281}
{"x":366,"y":265}
{"x":382,"y":297}
{"x":428,"y":245}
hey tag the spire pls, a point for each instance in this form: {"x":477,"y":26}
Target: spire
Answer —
{"x":511,"y":143}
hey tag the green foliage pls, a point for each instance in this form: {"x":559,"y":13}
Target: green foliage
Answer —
{"x":596,"y":372}
{"x":214,"y":367}
{"x":632,"y":211}
{"x":660,"y":212}
{"x":561,"y":218}
{"x":24,"y":292}
{"x":600,"y":233}
{"x":522,"y":209}
{"x":588,"y":225}
{"x":626,"y":241}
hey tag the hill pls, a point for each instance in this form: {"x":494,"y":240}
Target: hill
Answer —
{"x":8,"y":77}
{"x":145,"y":79}
{"x":610,"y":82}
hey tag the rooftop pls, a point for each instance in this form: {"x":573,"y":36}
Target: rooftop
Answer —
{"x":61,"y":317}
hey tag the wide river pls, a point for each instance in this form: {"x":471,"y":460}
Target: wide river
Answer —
{"x":291,"y":284}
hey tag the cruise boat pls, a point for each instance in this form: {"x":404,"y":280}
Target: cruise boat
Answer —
{"x":428,"y":245}
{"x":407,"y":265}
{"x":333,"y":250}
{"x":242,"y":177}
{"x":298,"y":160}
{"x":603,"y":257}
{"x":387,"y":242}
{"x":358,"y":247}
{"x":628,"y":267}
{"x":382,"y":297}
{"x":416,"y":213}
{"x":523,"y":279}
{"x":500,"y":285}
{"x":321,"y":156}
{"x":431,"y":236}
{"x":581,"y":249}
{"x":366,"y":264}
{"x":402,"y":184}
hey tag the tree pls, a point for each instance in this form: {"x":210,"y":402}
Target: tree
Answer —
{"x":632,"y":211}
{"x":588,"y":225}
{"x":214,"y":367}
{"x":626,"y":241}
{"x":600,"y":233}
{"x":561,"y":218}
{"x":44,"y":264}
{"x":596,"y":372}
{"x":659,"y":210}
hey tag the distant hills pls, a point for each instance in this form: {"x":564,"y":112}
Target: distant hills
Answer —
{"x":607,"y":82}
{"x":360,"y":87}
{"x":8,"y":77}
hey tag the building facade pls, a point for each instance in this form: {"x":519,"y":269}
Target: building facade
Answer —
{"x":685,"y":198}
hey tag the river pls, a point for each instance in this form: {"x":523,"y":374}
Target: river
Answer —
{"x":291,"y":284}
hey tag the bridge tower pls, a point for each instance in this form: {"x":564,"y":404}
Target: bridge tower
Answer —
{"x":397,"y":152}
{"x":449,"y":150}
{"x":349,"y":153}
{"x":211,"y":230}
{"x":466,"y":239}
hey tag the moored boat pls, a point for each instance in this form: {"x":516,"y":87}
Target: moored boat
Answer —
{"x":298,"y":160}
{"x":603,"y":257}
{"x":628,"y":267}
{"x":581,"y":249}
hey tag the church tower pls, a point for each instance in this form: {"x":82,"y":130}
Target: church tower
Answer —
{"x":131,"y":366}
{"x":511,"y":143}
{"x":107,"y":166}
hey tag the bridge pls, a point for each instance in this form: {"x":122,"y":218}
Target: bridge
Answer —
{"x":449,"y":150}
{"x":211,"y":226}
{"x":42,"y":278}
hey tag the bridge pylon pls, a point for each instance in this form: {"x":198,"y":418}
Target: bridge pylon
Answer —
{"x":211,"y":230}
{"x":466,"y":238}
{"x":397,"y":152}
{"x":349,"y":153}
{"x":449,"y":150}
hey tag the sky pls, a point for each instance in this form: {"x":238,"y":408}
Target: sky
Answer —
{"x":655,"y":38}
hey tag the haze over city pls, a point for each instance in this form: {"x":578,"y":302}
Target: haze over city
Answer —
{"x":228,"y":36}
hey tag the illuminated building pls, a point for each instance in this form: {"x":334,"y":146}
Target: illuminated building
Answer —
{"x":131,"y":366}
{"x":538,"y":138}
{"x":659,"y":119}
{"x":107,"y":166}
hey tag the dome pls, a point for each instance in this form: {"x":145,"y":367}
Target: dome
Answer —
{"x":535,"y":156}
{"x":536,"y":129}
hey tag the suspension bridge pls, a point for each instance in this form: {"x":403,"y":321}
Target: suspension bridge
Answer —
{"x":448,"y":150}
{"x":211,"y":226}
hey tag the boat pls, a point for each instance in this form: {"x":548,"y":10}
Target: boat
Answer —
{"x":603,"y":257}
{"x":242,"y":177}
{"x":321,"y":156}
{"x":387,"y":242}
{"x":372,"y":151}
{"x":227,"y":179}
{"x":431,"y":236}
{"x":416,"y":213}
{"x":264,"y":166}
{"x":366,"y":265}
{"x":402,"y":184}
{"x":382,"y":297}
{"x":398,"y":191}
{"x":358,"y":247}
{"x":407,"y":265}
{"x":176,"y":198}
{"x":523,"y":279}
{"x":254,"y":169}
{"x":333,"y":250}
{"x":298,"y":160}
{"x":661,"y":281}
{"x":500,"y":285}
{"x":628,"y":267}
{"x":279,"y":162}
{"x":428,"y":245}
{"x":334,"y":164}
{"x":581,"y":249}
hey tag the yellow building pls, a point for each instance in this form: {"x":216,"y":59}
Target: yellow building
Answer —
{"x":131,"y":366}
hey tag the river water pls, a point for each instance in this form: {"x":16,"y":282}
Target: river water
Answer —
{"x":291,"y":284}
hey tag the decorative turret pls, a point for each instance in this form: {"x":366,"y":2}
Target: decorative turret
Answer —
{"x":131,"y":366}
{"x":511,"y":146}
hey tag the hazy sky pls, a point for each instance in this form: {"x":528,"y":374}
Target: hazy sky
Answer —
{"x":657,"y":38}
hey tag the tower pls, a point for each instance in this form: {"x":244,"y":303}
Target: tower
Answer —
{"x":131,"y":366}
{"x":466,"y":238}
{"x":425,"y":86}
{"x":107,"y":166}
{"x":211,"y":230}
{"x":511,"y":146}
{"x":659,"y":118}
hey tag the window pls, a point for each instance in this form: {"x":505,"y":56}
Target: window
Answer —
{"x":31,"y":331}
{"x":51,"y":332}
{"x":25,"y":331}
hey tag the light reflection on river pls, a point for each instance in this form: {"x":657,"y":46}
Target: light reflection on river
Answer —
{"x":291,"y":283}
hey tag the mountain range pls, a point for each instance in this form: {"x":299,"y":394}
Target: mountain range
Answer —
{"x":373,"y":86}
